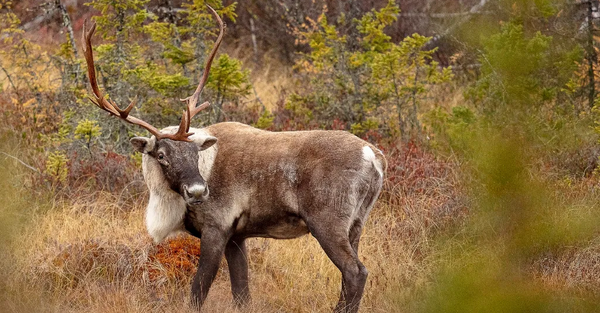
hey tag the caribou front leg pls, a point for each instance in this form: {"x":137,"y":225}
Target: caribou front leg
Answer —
{"x":211,"y":251}
{"x":235,"y":253}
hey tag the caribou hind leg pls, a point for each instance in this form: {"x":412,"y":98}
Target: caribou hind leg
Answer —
{"x":354,"y":237}
{"x":336,"y":244}
{"x":350,"y":296}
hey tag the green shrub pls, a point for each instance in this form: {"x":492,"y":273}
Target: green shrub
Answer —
{"x":56,"y":166}
{"x":373,"y":80}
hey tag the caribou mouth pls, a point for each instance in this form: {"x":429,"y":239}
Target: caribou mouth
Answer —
{"x":195,"y":202}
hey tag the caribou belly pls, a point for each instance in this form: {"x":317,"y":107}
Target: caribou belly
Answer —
{"x":284,"y":227}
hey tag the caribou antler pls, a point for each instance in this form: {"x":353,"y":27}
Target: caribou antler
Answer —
{"x":99,"y":100}
{"x":193,"y":99}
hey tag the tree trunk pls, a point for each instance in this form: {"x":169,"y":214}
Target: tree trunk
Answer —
{"x":253,"y":36}
{"x":415,"y":125}
{"x":69,"y":26}
{"x":591,"y":57}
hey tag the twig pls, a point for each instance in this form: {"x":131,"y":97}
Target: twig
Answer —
{"x":10,"y":80}
{"x":443,"y":15}
{"x":258,"y":98}
{"x":20,"y":161}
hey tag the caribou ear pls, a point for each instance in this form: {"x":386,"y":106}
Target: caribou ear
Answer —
{"x":142,"y":144}
{"x":206,"y":142}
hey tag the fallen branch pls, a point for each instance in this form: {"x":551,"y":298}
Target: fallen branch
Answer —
{"x":20,"y":161}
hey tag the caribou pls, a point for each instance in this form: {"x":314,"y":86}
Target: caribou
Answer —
{"x":229,"y":182}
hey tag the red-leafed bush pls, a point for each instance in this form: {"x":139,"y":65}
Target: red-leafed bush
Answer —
{"x":176,"y":258}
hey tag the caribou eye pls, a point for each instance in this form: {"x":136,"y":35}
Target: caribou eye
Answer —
{"x":162,"y":160}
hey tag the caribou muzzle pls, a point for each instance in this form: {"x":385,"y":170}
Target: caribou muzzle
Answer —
{"x":194,"y":194}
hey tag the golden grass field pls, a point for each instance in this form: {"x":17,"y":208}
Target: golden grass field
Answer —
{"x":93,"y":255}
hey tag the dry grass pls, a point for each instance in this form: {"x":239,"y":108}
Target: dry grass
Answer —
{"x":574,"y":268}
{"x":90,"y":255}
{"x":93,"y":254}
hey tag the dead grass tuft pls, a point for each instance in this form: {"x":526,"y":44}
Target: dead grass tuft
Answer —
{"x":176,"y":258}
{"x":573,"y":268}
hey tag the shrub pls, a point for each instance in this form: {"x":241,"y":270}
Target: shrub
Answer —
{"x":363,"y":83}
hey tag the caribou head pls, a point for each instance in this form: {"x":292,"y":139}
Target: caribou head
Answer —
{"x":173,"y":149}
{"x":179,"y":163}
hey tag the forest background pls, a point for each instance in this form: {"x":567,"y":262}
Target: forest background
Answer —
{"x":487,"y":110}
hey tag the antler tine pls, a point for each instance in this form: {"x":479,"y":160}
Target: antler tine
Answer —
{"x":89,"y":58}
{"x":192,"y":100}
{"x":182,"y":133}
{"x":99,"y":99}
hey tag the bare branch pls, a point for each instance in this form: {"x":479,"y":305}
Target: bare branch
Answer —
{"x":10,"y":80}
{"x":20,"y":161}
{"x":442,"y":15}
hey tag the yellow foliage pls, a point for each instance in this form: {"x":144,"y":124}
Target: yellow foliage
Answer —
{"x":29,"y":103}
{"x":56,"y":166}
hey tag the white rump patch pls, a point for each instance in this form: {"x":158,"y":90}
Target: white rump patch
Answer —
{"x":369,"y":156}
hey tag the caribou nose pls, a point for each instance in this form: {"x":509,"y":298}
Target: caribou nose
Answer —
{"x":195,"y":193}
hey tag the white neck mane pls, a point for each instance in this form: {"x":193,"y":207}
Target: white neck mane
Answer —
{"x":166,"y":208}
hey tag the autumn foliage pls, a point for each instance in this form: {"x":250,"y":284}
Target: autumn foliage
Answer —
{"x":488,"y":117}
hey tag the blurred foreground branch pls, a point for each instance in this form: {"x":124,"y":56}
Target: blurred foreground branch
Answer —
{"x":20,"y":161}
